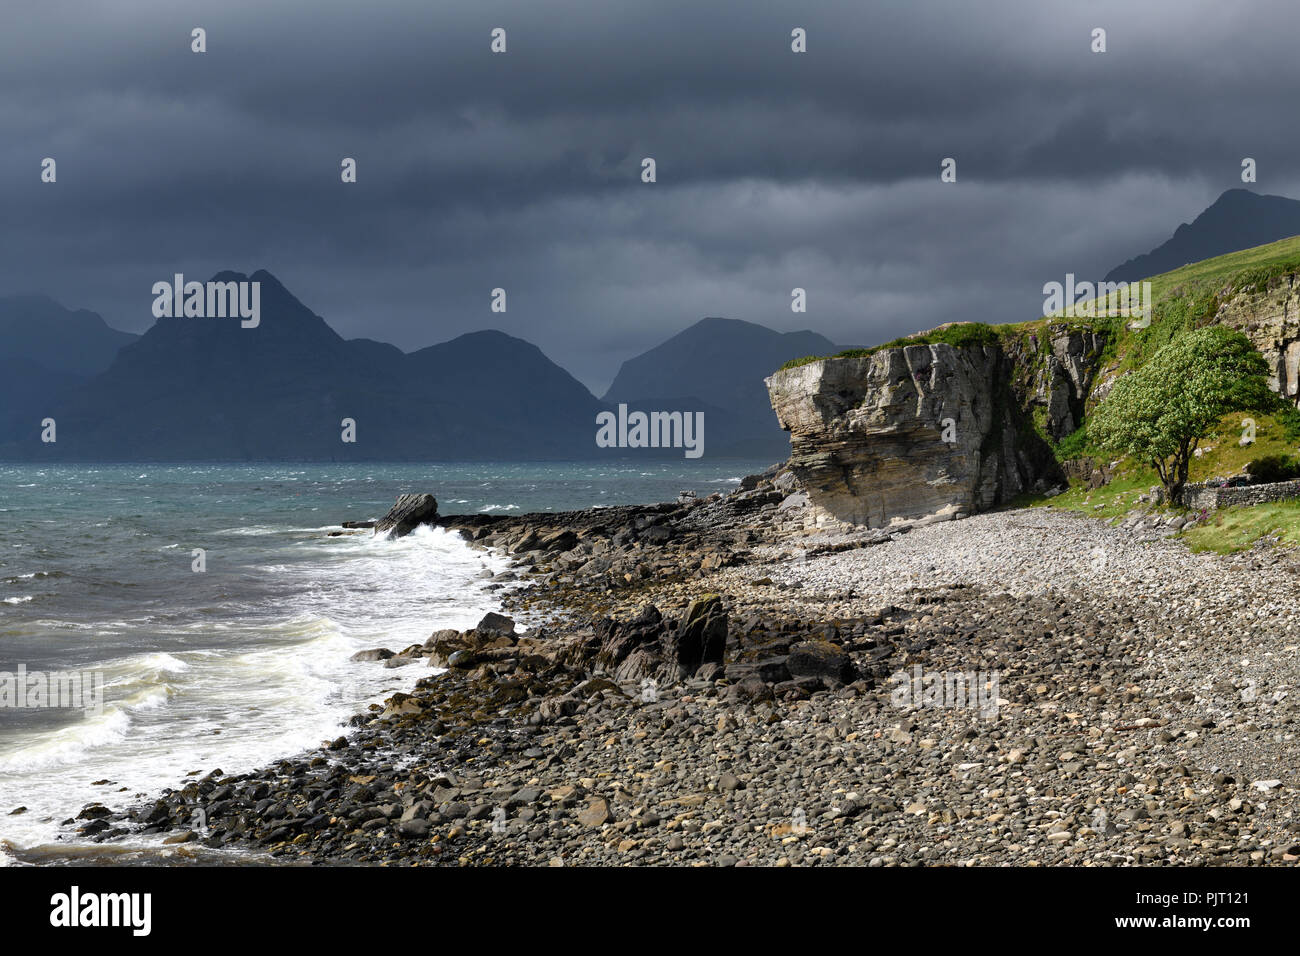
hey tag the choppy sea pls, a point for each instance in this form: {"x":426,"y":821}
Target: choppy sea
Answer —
{"x":247,"y":660}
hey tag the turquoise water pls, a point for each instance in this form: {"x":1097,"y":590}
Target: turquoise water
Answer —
{"x":246,"y":660}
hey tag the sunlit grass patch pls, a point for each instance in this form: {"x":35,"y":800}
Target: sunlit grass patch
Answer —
{"x":1238,"y":528}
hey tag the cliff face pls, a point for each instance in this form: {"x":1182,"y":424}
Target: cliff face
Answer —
{"x":1270,"y":318}
{"x":932,"y":430}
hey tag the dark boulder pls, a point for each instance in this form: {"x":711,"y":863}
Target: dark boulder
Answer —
{"x":642,"y":663}
{"x":820,"y":659}
{"x":751,"y":688}
{"x":618,"y":639}
{"x":409,"y":512}
{"x":700,"y":638}
{"x":497,"y":625}
{"x":556,"y":541}
{"x":657,"y":535}
{"x":648,"y":646}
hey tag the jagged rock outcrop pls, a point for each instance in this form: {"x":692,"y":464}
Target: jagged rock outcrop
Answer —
{"x":409,"y":512}
{"x":1062,"y":383}
{"x":649,"y":647}
{"x":922,"y":431}
{"x":1270,"y":318}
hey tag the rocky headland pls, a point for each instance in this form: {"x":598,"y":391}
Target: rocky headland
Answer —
{"x":934,"y":429}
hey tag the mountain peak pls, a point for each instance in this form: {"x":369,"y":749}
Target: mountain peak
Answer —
{"x":718,"y":363}
{"x":287,"y":383}
{"x":715,"y":324}
{"x":1238,"y":219}
{"x":1237,"y":194}
{"x":268,"y":281}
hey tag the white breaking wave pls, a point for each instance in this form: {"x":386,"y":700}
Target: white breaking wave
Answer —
{"x":248,"y":691}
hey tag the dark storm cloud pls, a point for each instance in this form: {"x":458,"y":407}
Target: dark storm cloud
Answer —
{"x":522,"y":171}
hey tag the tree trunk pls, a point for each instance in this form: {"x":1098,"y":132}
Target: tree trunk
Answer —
{"x":1178,"y":476}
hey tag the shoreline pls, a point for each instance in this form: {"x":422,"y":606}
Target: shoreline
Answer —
{"x":753,"y":718}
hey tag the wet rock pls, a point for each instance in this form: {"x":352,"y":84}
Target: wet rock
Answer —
{"x":408,"y":513}
{"x":496,"y":624}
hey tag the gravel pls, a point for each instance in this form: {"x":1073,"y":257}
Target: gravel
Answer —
{"x":1141,"y":714}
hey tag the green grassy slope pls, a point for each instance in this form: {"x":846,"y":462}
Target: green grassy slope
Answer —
{"x":1179,"y":297}
{"x":1183,"y":299}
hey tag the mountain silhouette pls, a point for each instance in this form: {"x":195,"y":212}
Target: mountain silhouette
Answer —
{"x":717,"y":366}
{"x":209,"y":389}
{"x":1239,"y":219}
{"x":39,"y":330}
{"x":193,"y":389}
{"x":47,"y":350}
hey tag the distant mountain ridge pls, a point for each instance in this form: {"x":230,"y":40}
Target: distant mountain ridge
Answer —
{"x":1238,"y":219}
{"x":207,"y":388}
{"x":38,"y":329}
{"x":46,"y":351}
{"x":195,"y":388}
{"x":717,"y":366}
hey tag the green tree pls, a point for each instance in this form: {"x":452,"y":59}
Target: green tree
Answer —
{"x":1161,"y":411}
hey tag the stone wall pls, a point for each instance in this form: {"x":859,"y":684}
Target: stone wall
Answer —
{"x":1210,"y":497}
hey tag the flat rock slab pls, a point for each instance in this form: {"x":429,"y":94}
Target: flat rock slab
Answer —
{"x":596,"y":813}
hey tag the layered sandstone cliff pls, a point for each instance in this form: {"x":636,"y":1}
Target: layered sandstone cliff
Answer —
{"x":933,"y":430}
{"x":1270,"y":318}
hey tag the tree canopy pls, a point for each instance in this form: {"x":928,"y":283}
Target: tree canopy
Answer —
{"x":1160,"y":412}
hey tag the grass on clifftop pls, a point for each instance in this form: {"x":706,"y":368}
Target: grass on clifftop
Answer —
{"x":1250,"y":267}
{"x":1181,"y":299}
{"x":956,"y":334}
{"x":1187,"y":298}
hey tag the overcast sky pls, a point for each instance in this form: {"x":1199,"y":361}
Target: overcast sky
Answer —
{"x":522,"y":170}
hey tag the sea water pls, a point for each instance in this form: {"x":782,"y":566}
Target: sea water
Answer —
{"x":247,"y":660}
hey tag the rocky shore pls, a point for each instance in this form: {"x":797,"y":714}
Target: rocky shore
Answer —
{"x":711,"y":682}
